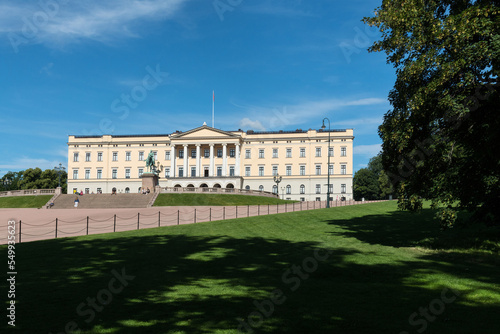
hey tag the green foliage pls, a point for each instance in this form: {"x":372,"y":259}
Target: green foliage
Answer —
{"x":35,"y":178}
{"x":441,"y":140}
{"x":365,"y":185}
{"x":372,"y":183}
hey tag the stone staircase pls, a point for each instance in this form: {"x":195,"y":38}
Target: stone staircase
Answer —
{"x":99,"y":201}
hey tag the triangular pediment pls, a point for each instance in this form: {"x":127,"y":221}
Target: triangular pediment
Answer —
{"x":204,"y":132}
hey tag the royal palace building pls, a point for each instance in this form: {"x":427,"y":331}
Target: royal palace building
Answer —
{"x":209,"y":157}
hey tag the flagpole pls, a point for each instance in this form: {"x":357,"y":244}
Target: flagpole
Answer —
{"x":213,"y":109}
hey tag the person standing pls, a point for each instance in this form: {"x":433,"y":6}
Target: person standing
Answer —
{"x":77,"y":201}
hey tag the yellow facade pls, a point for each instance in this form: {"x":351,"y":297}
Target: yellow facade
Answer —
{"x":209,"y":157}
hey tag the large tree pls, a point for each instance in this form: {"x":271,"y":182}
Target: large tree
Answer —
{"x":371,"y":182}
{"x":441,"y":140}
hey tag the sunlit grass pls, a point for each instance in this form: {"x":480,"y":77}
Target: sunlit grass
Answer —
{"x":24,"y":201}
{"x":207,"y":277}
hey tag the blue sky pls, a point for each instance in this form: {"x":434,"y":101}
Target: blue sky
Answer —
{"x":143,"y":67}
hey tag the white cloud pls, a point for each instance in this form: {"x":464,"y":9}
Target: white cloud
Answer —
{"x":65,"y":21}
{"x":247,"y":123}
{"x":368,"y":150}
{"x":26,"y":162}
{"x":300,"y":113}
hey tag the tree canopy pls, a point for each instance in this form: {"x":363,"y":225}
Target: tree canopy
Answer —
{"x":34,"y":178}
{"x":371,"y":182}
{"x":441,"y":139}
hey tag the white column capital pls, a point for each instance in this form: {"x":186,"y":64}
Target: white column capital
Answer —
{"x":211,"y":144}
{"x":198,"y":145}
{"x":185,"y":145}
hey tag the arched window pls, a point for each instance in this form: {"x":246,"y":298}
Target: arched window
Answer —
{"x":302,"y":189}
{"x":127,"y":190}
{"x":247,"y":187}
{"x":275,"y":189}
{"x":261,"y":188}
{"x":288,"y":189}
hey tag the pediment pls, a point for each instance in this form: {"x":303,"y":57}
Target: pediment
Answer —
{"x":204,"y":132}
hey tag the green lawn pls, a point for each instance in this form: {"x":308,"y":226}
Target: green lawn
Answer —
{"x":24,"y":201}
{"x":214,"y":199}
{"x":384,"y":265}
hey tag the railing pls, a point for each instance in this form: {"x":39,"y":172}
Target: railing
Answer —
{"x":27,"y":192}
{"x":207,"y":190}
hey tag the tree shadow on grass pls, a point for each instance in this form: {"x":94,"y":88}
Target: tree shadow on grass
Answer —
{"x":197,"y":284}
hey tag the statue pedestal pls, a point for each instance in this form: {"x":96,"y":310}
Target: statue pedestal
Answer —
{"x":149,"y":180}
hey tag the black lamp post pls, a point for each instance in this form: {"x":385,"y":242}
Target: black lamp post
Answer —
{"x":6,"y":183}
{"x":328,"y":168}
{"x":277,"y":179}
{"x":59,"y":170}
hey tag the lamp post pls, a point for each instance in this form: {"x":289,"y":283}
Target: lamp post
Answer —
{"x":6,"y":184}
{"x":277,"y":179}
{"x":59,"y":170}
{"x":328,"y":168}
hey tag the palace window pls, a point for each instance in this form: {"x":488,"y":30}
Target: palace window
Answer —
{"x":275,"y":170}
{"x":115,"y":156}
{"x":231,"y":171}
{"x":330,"y":151}
{"x":330,"y":169}
{"x":99,"y":156}
{"x":181,"y":153}
{"x":114,"y":173}
{"x":343,"y":169}
{"x":275,"y":152}
{"x":75,"y":174}
{"x":181,"y":171}
{"x":343,"y":188}
{"x":261,"y":153}
{"x":127,"y":173}
{"x":87,"y":174}
{"x":318,"y":189}
{"x":219,"y":171}
{"x":206,"y":153}
{"x":247,"y":154}
{"x":261,"y":170}
{"x":193,"y":154}
{"x":167,"y":155}
{"x":343,"y":151}
{"x":99,"y":174}
{"x":167,"y":172}
{"x":127,"y":156}
{"x":247,"y":171}
{"x":141,"y":171}
{"x":288,"y":170}
{"x":75,"y":157}
{"x":302,"y":170}
{"x":232,"y":153}
{"x":219,"y":153}
{"x":302,"y":152}
{"x":318,"y":151}
{"x":318,"y":169}
{"x":302,"y":189}
{"x":87,"y":157}
{"x":288,"y":189}
{"x":193,"y":171}
{"x":141,"y":156}
{"x":288,"y":152}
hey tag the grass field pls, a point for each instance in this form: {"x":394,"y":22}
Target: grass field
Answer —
{"x":357,"y":269}
{"x":214,"y":199}
{"x":24,"y":201}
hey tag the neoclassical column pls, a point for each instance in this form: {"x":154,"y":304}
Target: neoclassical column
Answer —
{"x":211,"y":168}
{"x":224,"y":159}
{"x":237,"y":167}
{"x":186,"y":174}
{"x":172,"y":161}
{"x":198,"y":160}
